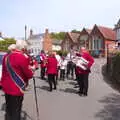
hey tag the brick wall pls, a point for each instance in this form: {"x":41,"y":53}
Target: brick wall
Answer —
{"x":47,"y":42}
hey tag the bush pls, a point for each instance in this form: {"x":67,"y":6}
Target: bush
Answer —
{"x":114,"y":71}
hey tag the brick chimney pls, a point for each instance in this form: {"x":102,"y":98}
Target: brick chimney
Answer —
{"x":31,"y":32}
{"x":46,"y":31}
{"x":47,"y":42}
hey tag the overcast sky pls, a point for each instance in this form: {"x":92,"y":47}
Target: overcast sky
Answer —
{"x":56,"y":15}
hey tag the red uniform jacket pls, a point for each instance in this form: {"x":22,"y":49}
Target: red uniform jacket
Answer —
{"x":20,"y":65}
{"x":89,"y":58}
{"x":43,"y":58}
{"x":51,"y":65}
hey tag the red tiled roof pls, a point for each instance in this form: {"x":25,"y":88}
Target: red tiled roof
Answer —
{"x":108,"y":33}
{"x":74,"y":36}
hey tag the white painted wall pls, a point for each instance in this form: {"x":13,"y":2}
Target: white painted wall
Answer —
{"x":36,"y":45}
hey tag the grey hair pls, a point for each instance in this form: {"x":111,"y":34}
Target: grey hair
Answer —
{"x":12,"y":47}
{"x":21,"y":44}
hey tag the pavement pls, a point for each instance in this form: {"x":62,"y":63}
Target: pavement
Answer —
{"x":102,"y":102}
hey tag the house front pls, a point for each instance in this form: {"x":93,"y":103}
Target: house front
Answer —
{"x":84,"y":38}
{"x":117,"y":30}
{"x":100,"y":38}
{"x":35,"y":42}
{"x":70,"y":41}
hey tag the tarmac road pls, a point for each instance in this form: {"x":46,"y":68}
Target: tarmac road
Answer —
{"x":102,"y":102}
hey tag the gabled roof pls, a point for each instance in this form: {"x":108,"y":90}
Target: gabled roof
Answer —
{"x":88,"y":30}
{"x":74,"y":36}
{"x":118,"y":23}
{"x":117,"y":26}
{"x":84,"y":30}
{"x":36,"y":36}
{"x":107,"y":33}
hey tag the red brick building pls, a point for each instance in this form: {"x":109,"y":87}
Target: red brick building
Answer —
{"x":100,"y":37}
{"x":47,"y":41}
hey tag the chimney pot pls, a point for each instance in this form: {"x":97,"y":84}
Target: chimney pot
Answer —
{"x":46,"y":30}
{"x":0,"y":34}
{"x":31,"y":32}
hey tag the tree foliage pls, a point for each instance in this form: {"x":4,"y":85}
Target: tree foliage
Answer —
{"x":75,"y":30}
{"x":58,"y":36}
{"x":5,"y":43}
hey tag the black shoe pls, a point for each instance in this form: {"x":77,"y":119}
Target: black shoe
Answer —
{"x":78,"y":92}
{"x":50,"y":90}
{"x":85,"y":95}
{"x":55,"y":88}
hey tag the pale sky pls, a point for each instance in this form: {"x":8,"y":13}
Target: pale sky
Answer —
{"x":56,"y":15}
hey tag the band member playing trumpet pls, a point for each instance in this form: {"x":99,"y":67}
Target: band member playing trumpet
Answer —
{"x":84,"y":73}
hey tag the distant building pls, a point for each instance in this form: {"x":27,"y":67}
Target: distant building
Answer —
{"x":38,"y":42}
{"x":35,"y":42}
{"x":47,"y":41}
{"x":117,"y":30}
{"x":84,"y":37}
{"x":56,"y":45}
{"x":70,"y":41}
{"x":100,"y":38}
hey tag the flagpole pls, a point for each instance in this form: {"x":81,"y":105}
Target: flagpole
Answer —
{"x":25,"y":32}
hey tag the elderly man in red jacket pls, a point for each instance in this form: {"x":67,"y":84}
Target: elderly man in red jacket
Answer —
{"x":83,"y":74}
{"x":15,"y":75}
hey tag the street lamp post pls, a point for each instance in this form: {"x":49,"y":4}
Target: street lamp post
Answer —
{"x":25,"y":31}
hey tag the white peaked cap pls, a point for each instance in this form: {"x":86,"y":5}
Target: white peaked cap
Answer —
{"x":12,"y":47}
{"x":20,"y":44}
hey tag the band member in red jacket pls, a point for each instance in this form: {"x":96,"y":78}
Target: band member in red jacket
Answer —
{"x":82,"y":75}
{"x":15,"y":75}
{"x":51,"y":69}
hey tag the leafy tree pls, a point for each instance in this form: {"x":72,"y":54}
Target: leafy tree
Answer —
{"x":58,"y":36}
{"x":5,"y":43}
{"x":75,"y":30}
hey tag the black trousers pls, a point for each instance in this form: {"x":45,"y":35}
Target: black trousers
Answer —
{"x":13,"y":107}
{"x":43,"y":72}
{"x":83,"y":83}
{"x":51,"y":80}
{"x":70,"y":69}
{"x":56,"y":76}
{"x":62,"y":74}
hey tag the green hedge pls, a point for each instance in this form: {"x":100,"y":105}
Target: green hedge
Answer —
{"x":112,"y":71}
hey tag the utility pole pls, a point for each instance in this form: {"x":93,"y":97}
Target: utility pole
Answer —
{"x":25,"y":32}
